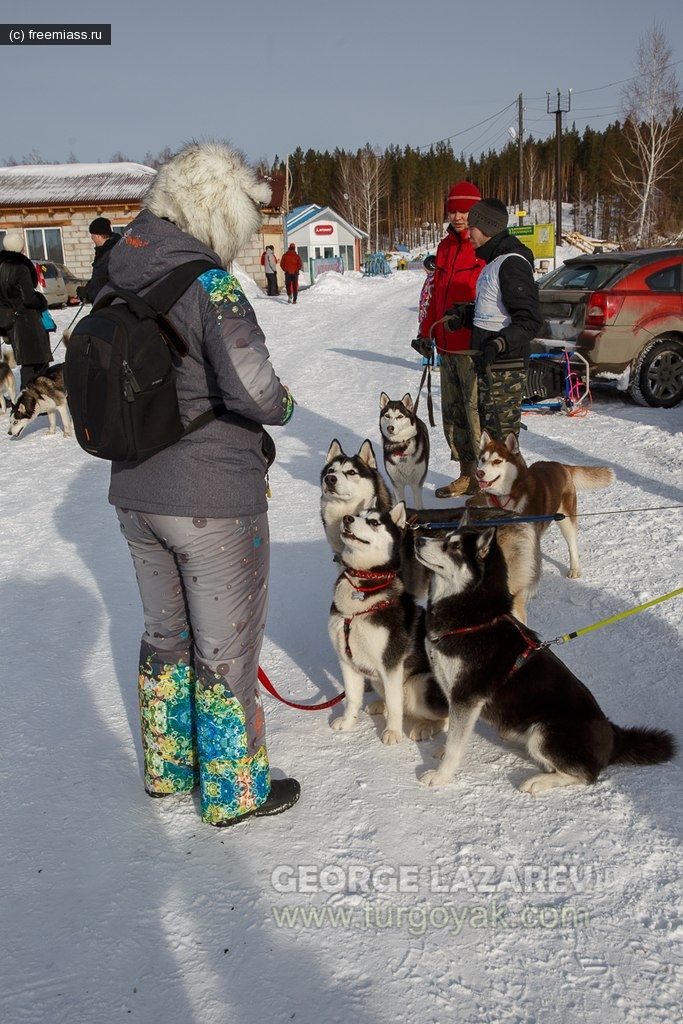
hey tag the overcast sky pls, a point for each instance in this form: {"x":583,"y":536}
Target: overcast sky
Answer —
{"x":271,"y":76}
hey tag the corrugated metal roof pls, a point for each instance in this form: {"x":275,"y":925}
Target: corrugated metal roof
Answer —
{"x":45,"y":184}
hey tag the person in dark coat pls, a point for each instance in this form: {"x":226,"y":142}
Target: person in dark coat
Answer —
{"x":27,"y":336}
{"x":505,"y":317}
{"x":104,"y":240}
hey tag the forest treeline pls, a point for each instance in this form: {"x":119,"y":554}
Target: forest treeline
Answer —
{"x":398,"y":195}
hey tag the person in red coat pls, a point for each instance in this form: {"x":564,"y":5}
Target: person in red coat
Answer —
{"x":290,"y":265}
{"x":455,"y":282}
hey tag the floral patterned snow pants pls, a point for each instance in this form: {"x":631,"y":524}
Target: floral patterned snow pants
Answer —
{"x":204,"y":590}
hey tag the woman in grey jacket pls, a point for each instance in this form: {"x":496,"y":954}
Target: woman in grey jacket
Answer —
{"x":195,"y":514}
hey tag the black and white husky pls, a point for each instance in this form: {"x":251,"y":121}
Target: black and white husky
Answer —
{"x":377,"y":630}
{"x":8,"y":385}
{"x":405,"y":441}
{"x":489,"y":665}
{"x":349,"y":484}
{"x":43,"y":394}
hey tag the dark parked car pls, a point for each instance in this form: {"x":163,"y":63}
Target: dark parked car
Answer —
{"x":623,"y":312}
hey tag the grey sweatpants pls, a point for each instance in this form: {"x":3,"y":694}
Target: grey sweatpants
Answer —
{"x":204,"y":590}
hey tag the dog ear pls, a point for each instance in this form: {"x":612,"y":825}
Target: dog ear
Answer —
{"x":384,"y":400}
{"x":334,"y":451}
{"x":511,"y":444}
{"x":366,"y":453}
{"x":408,"y":402}
{"x":398,"y":515}
{"x":485,"y":439}
{"x":484,"y":541}
{"x":465,"y":519}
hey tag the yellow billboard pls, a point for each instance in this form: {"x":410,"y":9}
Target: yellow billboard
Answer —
{"x":539,"y":237}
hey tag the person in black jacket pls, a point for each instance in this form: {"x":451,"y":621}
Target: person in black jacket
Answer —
{"x":27,"y":336}
{"x":504,"y":318}
{"x":104,"y":241}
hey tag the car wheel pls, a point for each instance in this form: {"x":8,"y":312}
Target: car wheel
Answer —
{"x":657,"y":375}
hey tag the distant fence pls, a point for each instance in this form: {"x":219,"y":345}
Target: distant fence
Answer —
{"x":323,"y":266}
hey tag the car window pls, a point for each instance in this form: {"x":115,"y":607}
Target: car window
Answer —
{"x":666,"y":280}
{"x":583,"y":276}
{"x":49,"y":270}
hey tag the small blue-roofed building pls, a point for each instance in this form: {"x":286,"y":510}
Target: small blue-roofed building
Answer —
{"x":318,"y":232}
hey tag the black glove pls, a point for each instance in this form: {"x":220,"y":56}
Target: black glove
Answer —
{"x":490,"y":351}
{"x":456,"y":315}
{"x":82,"y":293}
{"x":424,"y":346}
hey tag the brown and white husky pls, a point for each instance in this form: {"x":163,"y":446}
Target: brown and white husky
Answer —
{"x":541,"y":489}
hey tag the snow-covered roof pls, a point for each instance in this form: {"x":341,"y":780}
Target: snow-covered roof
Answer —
{"x":41,"y":184}
{"x":301,"y":215}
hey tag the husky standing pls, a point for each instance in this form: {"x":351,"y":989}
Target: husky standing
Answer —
{"x":405,"y":441}
{"x":350,"y":483}
{"x":541,"y":489}
{"x":44,"y":394}
{"x":489,"y":665}
{"x":377,"y":630}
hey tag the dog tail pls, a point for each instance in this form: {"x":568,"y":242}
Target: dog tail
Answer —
{"x":591,"y":478}
{"x":642,"y":746}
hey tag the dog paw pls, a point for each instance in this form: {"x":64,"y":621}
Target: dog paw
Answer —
{"x":536,"y":784}
{"x":439,"y":752}
{"x":342,"y":724}
{"x":390,"y":737}
{"x":377,"y":707}
{"x":434,"y":778}
{"x":573,"y":574}
{"x":425,"y":731}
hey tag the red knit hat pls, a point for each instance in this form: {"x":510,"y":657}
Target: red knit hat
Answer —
{"x":462,"y":197}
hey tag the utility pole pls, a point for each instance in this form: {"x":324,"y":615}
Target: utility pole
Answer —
{"x":563,"y":107}
{"x":520,"y":144}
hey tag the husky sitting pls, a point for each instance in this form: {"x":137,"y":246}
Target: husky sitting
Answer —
{"x":377,"y":630}
{"x":43,"y":394}
{"x":541,"y":489}
{"x":489,"y":665}
{"x":405,"y":441}
{"x":8,"y":385}
{"x":350,"y":483}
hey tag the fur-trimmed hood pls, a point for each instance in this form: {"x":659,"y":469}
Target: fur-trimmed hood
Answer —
{"x":210,"y":192}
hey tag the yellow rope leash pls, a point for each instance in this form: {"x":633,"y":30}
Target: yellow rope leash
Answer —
{"x":614,"y":618}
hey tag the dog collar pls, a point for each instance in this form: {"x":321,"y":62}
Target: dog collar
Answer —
{"x":383,"y":579}
{"x":500,"y":504}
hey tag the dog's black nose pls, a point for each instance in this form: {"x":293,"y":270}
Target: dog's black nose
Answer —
{"x":348,"y":520}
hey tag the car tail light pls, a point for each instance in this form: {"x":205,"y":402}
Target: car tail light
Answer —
{"x":603,"y":306}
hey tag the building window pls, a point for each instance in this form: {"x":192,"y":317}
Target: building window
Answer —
{"x":347,"y":254}
{"x":303,"y":253}
{"x":45,"y":244}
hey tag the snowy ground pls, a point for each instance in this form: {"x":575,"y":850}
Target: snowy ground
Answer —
{"x":375,"y":899}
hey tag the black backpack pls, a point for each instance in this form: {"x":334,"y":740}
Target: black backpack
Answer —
{"x":119,"y":373}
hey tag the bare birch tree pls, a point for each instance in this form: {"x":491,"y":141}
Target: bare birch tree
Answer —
{"x":652,"y":129}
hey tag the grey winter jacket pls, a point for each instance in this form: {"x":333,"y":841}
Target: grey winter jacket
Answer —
{"x":219,"y":470}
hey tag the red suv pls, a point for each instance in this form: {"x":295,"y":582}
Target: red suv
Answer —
{"x":623,"y":312}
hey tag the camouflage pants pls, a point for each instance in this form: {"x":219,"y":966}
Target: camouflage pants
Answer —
{"x":500,"y":401}
{"x":459,"y":411}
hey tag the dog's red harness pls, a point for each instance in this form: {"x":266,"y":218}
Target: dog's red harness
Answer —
{"x":497,"y":503}
{"x":384,"y":580}
{"x":532,"y":643}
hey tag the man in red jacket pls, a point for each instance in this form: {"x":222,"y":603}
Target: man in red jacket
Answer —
{"x":455,"y":281}
{"x":290,"y":265}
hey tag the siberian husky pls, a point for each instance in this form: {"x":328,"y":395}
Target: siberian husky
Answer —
{"x":349,"y":484}
{"x":519,"y":542}
{"x":8,"y":385}
{"x":405,"y":441}
{"x":377,"y":630}
{"x":43,"y":394}
{"x":541,"y":489}
{"x":488,"y":665}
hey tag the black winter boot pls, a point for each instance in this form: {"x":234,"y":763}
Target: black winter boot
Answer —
{"x":284,"y":793}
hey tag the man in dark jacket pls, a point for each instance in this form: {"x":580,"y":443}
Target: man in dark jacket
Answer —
{"x":27,"y":336}
{"x":104,"y":241}
{"x":505,"y":317}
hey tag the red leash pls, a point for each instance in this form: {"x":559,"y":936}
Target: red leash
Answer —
{"x":265,"y":682}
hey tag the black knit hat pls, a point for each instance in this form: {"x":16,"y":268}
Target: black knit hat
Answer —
{"x":490,"y":216}
{"x":100,"y":226}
